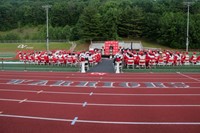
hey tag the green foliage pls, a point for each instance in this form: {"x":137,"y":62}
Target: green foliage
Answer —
{"x":163,"y":21}
{"x":172,"y":27}
{"x":130,"y":24}
{"x":10,"y":36}
{"x":89,"y":24}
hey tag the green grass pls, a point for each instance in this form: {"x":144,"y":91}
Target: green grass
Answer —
{"x":81,"y":45}
{"x":10,"y":49}
{"x":13,"y":47}
{"x":149,"y":44}
{"x":32,"y":67}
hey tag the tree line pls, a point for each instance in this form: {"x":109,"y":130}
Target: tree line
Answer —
{"x":163,"y":21}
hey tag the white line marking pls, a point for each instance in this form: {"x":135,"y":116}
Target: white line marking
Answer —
{"x":48,"y":92}
{"x":124,"y":76}
{"x":84,"y":104}
{"x":139,"y":123}
{"x":1,"y":112}
{"x":144,"y":105}
{"x":32,"y":91}
{"x":107,"y":105}
{"x":75,"y":120}
{"x":115,"y":94}
{"x":188,"y":77}
{"x":39,"y":91}
{"x":37,"y":118}
{"x":23,"y":101}
{"x":100,"y":94}
{"x":44,"y":102}
{"x":10,"y":100}
{"x":91,"y":93}
{"x":50,"y":102}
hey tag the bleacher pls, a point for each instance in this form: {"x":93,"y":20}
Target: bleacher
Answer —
{"x":97,"y":45}
{"x":136,"y":45}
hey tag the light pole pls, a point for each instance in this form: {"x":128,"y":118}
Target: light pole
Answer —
{"x":47,"y":23}
{"x":188,"y":23}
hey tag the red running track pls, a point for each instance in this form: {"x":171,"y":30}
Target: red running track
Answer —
{"x":107,"y":106}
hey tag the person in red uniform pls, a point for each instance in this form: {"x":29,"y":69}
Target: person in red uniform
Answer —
{"x":193,"y":59}
{"x":198,"y":59}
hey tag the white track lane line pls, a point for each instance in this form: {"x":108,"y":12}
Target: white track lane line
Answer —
{"x":75,"y":120}
{"x":39,"y":91}
{"x":188,"y":77}
{"x":99,"y":94}
{"x":23,"y":101}
{"x":106,"y":105}
{"x":84,"y":104}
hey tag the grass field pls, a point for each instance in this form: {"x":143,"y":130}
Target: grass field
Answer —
{"x":10,"y":49}
{"x":82,"y":46}
{"x":13,"y":47}
{"x":32,"y":67}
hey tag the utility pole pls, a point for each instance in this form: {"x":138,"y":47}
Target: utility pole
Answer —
{"x":188,"y":23}
{"x":46,"y":7}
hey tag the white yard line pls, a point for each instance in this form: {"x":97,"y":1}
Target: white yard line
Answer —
{"x":39,"y":91}
{"x":23,"y":101}
{"x":102,"y":104}
{"x":188,"y":77}
{"x":96,"y":93}
{"x":75,"y":120}
{"x":84,"y":104}
{"x":91,"y":93}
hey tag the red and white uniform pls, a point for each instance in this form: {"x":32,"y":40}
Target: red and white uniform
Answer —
{"x":142,"y":59}
{"x":193,"y":59}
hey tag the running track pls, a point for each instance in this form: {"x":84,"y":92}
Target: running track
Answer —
{"x":93,"y":103}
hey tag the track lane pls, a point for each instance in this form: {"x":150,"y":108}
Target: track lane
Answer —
{"x":40,"y":126}
{"x":109,"y":113}
{"x":103,"y":99}
{"x":127,"y":76}
{"x":99,"y":113}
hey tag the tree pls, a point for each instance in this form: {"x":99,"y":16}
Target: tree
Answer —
{"x":194,"y":31}
{"x":110,"y":20}
{"x":90,"y":24}
{"x":172,"y":29}
{"x":131,"y":22}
